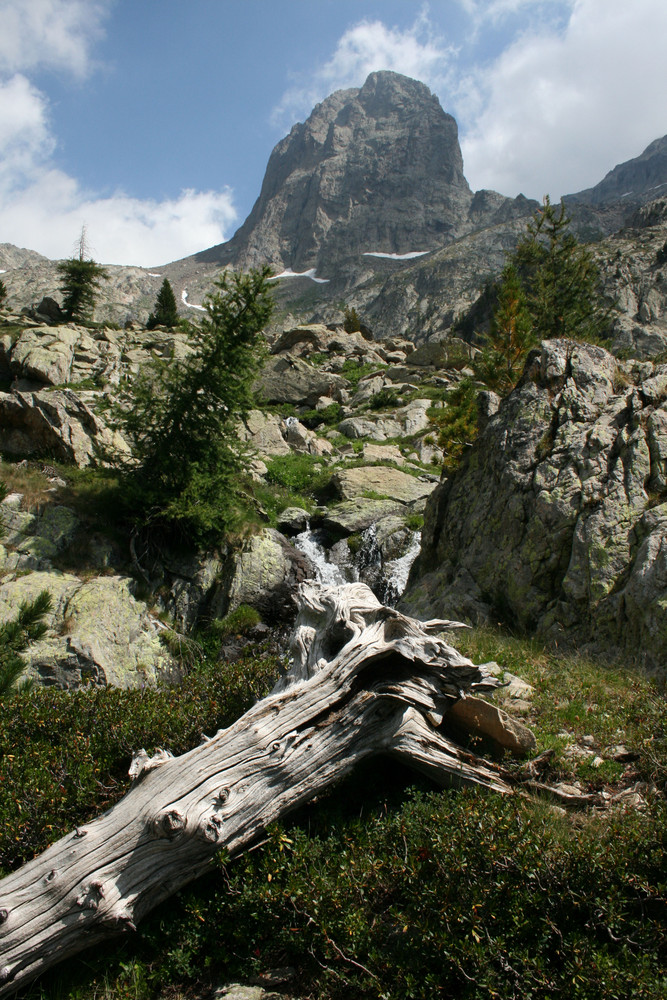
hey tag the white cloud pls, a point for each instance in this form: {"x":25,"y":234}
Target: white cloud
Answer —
{"x":47,"y":216}
{"x":54,"y":34}
{"x":417,"y":51}
{"x":558,"y":109}
{"x":43,"y":208}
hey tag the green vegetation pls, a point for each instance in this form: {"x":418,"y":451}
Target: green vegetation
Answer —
{"x":238,"y":622}
{"x":351,"y":322}
{"x":329,"y":416}
{"x":16,"y":634}
{"x":384,"y":887}
{"x":549,"y":288}
{"x":300,"y":473}
{"x":181,"y":417}
{"x":166,"y":312}
{"x":3,"y":293}
{"x":354,"y":371}
{"x":81,"y":278}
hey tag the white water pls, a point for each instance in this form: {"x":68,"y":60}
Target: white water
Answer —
{"x":390,"y":579}
{"x":325,"y":571}
{"x":397,"y":570}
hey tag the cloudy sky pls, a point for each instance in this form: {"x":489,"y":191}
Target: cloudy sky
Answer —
{"x":151,"y":121}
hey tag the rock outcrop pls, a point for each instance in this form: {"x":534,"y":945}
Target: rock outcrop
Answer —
{"x":98,"y":633}
{"x":557,"y":522}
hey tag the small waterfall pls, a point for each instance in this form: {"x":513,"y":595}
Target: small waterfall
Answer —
{"x":396,"y":571}
{"x":310,"y":543}
{"x":387,"y":580}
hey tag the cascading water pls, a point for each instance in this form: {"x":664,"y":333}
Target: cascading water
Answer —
{"x":310,"y":543}
{"x":386,"y":579}
{"x":396,"y":571}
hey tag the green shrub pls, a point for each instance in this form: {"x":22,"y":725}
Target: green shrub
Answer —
{"x":238,"y":622}
{"x":64,"y":755}
{"x":354,"y":370}
{"x":385,"y":398}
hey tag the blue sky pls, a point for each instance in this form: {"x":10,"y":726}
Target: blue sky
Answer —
{"x":151,"y":121}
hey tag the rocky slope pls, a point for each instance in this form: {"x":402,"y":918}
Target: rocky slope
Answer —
{"x":557,"y":521}
{"x":371,"y":453}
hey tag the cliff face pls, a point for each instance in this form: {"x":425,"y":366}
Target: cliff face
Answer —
{"x":375,"y":168}
{"x":557,"y":521}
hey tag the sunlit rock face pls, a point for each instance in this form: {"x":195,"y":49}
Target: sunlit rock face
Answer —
{"x":372,"y":169}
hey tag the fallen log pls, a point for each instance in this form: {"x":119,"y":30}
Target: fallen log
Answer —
{"x":364,"y":680}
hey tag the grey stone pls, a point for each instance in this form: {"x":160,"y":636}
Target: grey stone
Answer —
{"x":548,"y":524}
{"x":383,"y":480}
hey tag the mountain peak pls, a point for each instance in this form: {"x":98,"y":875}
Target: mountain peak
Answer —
{"x":375,"y":168}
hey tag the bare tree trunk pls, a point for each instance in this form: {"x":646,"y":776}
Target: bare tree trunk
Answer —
{"x":365,"y":680}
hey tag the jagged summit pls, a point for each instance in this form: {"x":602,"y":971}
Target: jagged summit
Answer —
{"x":373,"y":168}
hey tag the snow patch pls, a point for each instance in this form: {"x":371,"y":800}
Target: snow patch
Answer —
{"x":397,"y":256}
{"x":3,"y":270}
{"x":151,"y":274}
{"x":190,"y":305}
{"x":289,"y":273}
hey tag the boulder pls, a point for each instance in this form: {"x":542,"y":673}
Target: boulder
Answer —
{"x":289,"y":379}
{"x":382,"y":480}
{"x":556,"y":520}
{"x":263,"y":432}
{"x":55,"y":423}
{"x":480,"y":718}
{"x":293,"y":520}
{"x":353,"y":516}
{"x":98,"y":633}
{"x":45,"y":354}
{"x":263,"y":573}
{"x":36,"y":538}
{"x":383,"y":453}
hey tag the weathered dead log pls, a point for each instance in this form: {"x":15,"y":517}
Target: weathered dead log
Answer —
{"x":364,"y":680}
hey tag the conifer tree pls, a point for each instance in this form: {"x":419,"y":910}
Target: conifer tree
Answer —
{"x":560,"y":279}
{"x":3,"y":293}
{"x":182,"y":416}
{"x":166,"y":311}
{"x":81,"y":279}
{"x":509,"y":339}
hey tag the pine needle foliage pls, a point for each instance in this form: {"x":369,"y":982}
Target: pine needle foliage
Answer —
{"x":182,"y":416}
{"x":26,"y":627}
{"x":510,"y":338}
{"x":550,"y":288}
{"x":166,"y":311}
{"x":3,"y":293}
{"x":81,"y":279}
{"x":561,"y":279}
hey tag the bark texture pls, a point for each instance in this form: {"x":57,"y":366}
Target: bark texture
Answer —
{"x":364,"y":680}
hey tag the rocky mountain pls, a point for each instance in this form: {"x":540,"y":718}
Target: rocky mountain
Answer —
{"x":636,"y":181}
{"x":377,"y":168}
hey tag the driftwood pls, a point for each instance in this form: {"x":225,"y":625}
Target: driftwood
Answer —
{"x":364,"y":680}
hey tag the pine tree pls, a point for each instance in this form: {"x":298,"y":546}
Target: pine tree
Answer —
{"x":81,"y":279}
{"x":182,"y":416}
{"x":26,"y":627}
{"x":166,"y":311}
{"x":3,"y":293}
{"x":510,"y":338}
{"x":560,"y":279}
